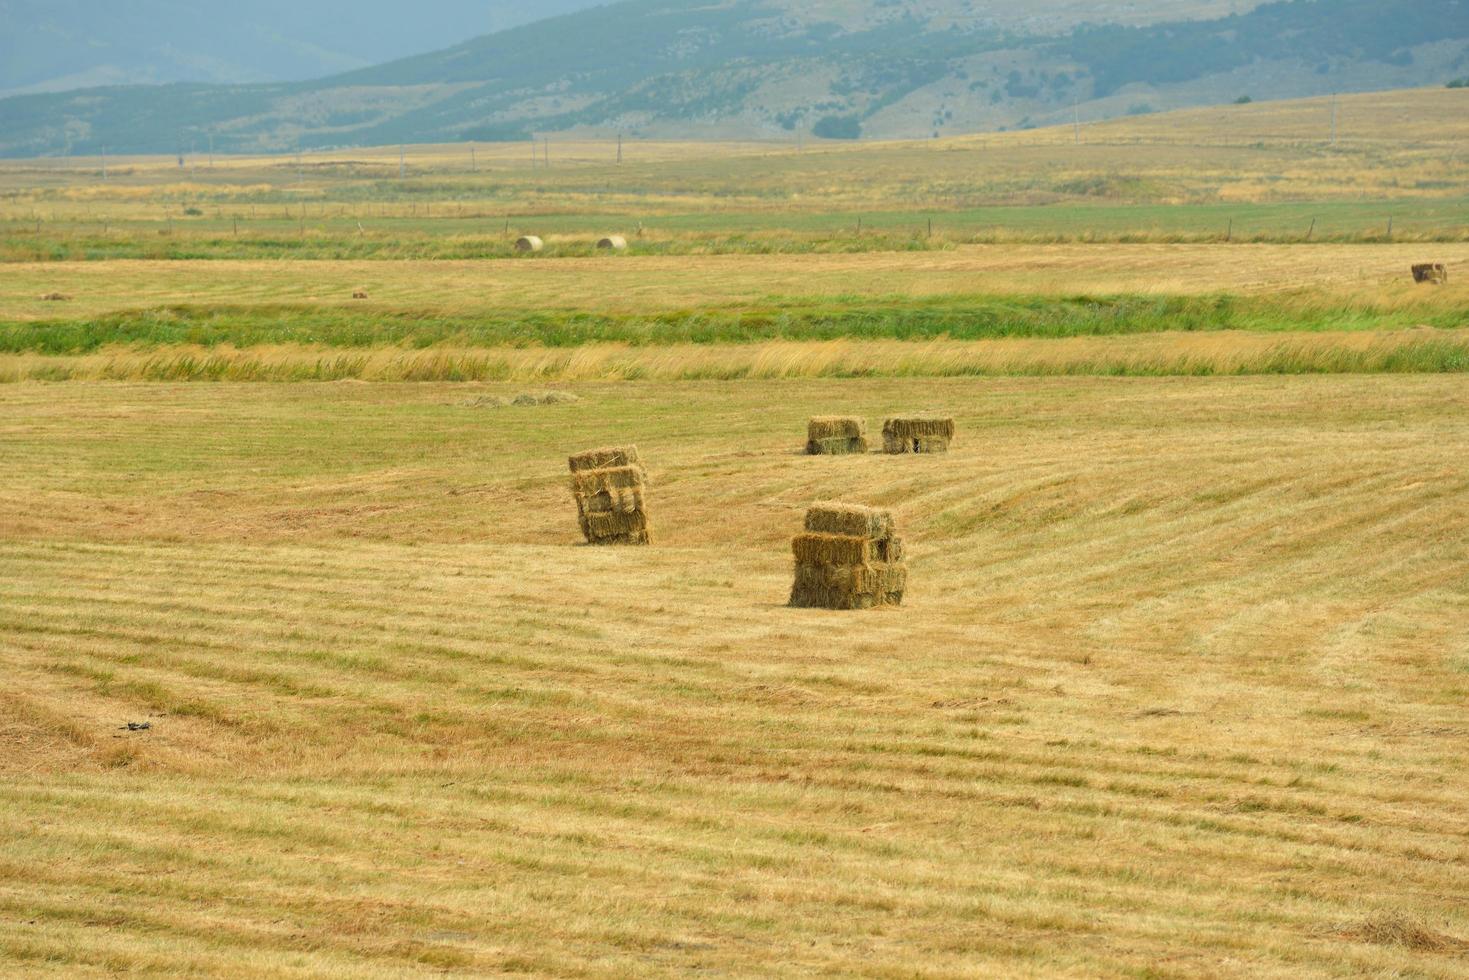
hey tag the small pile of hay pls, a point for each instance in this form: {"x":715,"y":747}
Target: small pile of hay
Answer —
{"x":525,"y":399}
{"x":833,"y":435}
{"x":529,"y":243}
{"x":917,"y":435}
{"x":1433,"y":272}
{"x":613,"y":243}
{"x":1397,"y":929}
{"x":55,"y":298}
{"x":609,"y":486}
{"x":848,"y":558}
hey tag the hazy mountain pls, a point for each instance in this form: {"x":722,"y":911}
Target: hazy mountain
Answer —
{"x":53,"y":45}
{"x":888,"y":68}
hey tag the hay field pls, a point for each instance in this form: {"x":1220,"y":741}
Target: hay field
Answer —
{"x":1179,"y":689}
{"x":636,"y":284}
{"x":1270,"y":171}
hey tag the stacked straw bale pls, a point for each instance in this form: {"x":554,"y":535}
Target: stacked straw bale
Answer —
{"x":917,"y":435}
{"x":609,"y":486}
{"x":848,"y":558}
{"x":833,"y":435}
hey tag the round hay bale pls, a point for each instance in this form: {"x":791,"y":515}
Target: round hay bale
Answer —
{"x":613,"y":243}
{"x":529,"y":243}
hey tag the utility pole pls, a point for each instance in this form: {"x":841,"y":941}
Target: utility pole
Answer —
{"x":619,"y":148}
{"x":473,"y":165}
{"x":1076,"y":121}
{"x":402,"y":164}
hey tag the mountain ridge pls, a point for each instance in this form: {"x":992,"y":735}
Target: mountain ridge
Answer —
{"x":742,"y":68}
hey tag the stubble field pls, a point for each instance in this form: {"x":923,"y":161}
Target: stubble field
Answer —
{"x":1178,"y":691}
{"x":307,"y":674}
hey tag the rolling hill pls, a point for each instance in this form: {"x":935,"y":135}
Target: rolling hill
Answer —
{"x":767,"y":68}
{"x":59,"y":45}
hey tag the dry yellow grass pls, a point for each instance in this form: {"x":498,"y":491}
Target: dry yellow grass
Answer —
{"x":1391,"y":146}
{"x":1380,"y":273}
{"x":1179,"y":689}
{"x":1210,"y":353}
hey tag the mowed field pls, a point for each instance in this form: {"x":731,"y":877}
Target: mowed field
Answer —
{"x":1179,"y":689}
{"x":633,"y":284}
{"x":308,"y":674}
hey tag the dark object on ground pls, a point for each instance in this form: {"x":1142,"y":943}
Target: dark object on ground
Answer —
{"x":138,"y":726}
{"x":1433,"y":272}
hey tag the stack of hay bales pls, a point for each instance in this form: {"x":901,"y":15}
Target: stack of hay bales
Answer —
{"x":835,"y":435}
{"x":917,"y":435}
{"x":529,"y":243}
{"x":848,"y":558}
{"x":609,"y":486}
{"x":1430,"y":272}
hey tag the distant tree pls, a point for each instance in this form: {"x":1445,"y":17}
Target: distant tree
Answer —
{"x":1243,"y":100}
{"x":838,"y":128}
{"x":1459,"y":83}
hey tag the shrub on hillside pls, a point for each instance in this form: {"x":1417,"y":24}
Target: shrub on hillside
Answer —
{"x":838,"y":128}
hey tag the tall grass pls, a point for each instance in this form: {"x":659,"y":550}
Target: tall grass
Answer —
{"x":957,"y":318}
{"x":1154,"y":355}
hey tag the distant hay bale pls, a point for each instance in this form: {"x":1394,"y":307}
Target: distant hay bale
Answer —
{"x":833,"y":435}
{"x":848,"y":558}
{"x":1434,"y":272}
{"x":613,"y":243}
{"x":609,"y":486}
{"x":359,"y":294}
{"x":917,"y":435}
{"x":55,"y":298}
{"x":529,"y":243}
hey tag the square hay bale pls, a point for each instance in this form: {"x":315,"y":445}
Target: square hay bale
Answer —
{"x":1433,"y":272}
{"x":917,"y":434}
{"x":608,"y":458}
{"x":851,"y":520}
{"x":848,"y":558}
{"x":609,"y":487}
{"x":836,"y":435}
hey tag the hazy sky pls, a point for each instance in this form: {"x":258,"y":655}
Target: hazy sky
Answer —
{"x":54,"y":44}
